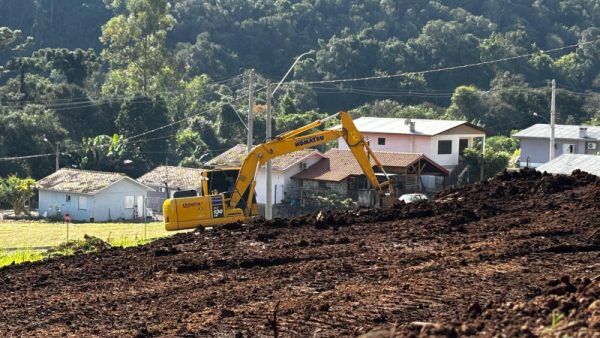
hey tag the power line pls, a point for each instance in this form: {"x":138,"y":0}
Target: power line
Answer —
{"x":17,"y":158}
{"x":103,"y":100}
{"x":437,"y":70}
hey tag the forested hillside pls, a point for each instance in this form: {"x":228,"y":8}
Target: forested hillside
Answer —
{"x":100,"y":76}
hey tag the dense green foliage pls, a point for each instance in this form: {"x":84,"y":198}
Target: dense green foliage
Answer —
{"x":16,"y":192}
{"x":79,"y":71}
{"x":493,"y":163}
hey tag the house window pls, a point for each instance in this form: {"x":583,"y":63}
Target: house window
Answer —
{"x":381,"y":141}
{"x":445,"y":147}
{"x":322,"y":184}
{"x":129,"y":202}
{"x":82,"y":205}
{"x":68,"y":198}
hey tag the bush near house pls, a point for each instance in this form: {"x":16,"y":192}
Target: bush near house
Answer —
{"x":16,"y":191}
{"x":494,"y":162}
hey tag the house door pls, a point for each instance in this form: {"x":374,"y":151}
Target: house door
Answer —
{"x":140,"y":206}
{"x":568,"y":148}
{"x":463,"y":144}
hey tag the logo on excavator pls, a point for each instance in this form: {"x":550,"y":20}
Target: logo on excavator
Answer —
{"x":192,"y":204}
{"x":309,"y":140}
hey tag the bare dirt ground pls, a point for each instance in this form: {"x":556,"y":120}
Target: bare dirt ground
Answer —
{"x":515,"y":256}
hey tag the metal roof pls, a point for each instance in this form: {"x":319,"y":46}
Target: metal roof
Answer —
{"x":565,"y":164}
{"x":400,"y":126}
{"x":561,"y":131}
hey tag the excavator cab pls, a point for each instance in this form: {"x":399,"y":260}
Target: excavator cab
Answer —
{"x":206,"y":211}
{"x":209,"y":206}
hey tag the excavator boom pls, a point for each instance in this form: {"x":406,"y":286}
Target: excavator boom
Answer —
{"x":182,"y":212}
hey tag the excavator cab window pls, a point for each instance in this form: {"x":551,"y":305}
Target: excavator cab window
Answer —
{"x":185,"y":193}
{"x":222,"y":181}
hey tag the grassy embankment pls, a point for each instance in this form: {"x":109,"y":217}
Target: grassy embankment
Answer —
{"x":26,"y":241}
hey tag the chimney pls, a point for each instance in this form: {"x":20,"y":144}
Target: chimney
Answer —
{"x":412,"y":127}
{"x":583,"y":132}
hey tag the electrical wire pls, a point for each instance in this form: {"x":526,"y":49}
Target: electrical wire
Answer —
{"x":103,"y":100}
{"x":17,"y":158}
{"x":437,"y":70}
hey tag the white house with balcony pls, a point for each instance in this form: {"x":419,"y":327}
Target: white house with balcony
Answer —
{"x":442,"y":141}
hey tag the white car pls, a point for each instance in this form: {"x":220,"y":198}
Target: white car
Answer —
{"x":412,"y":198}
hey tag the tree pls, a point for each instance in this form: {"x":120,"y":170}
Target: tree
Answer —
{"x":104,"y":153}
{"x":502,"y":143}
{"x":467,"y":102}
{"x":22,"y":132}
{"x":494,"y":162}
{"x":136,"y":50}
{"x":231,"y":128}
{"x":139,"y":115}
{"x":9,"y":37}
{"x":285,"y":123}
{"x":16,"y":192}
{"x":76,"y":65}
{"x":190,"y":148}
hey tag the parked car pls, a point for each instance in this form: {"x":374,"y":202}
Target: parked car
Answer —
{"x":412,"y":198}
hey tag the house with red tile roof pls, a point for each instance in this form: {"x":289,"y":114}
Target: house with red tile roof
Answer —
{"x":338,"y":172}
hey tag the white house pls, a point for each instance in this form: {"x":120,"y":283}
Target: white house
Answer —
{"x":284,"y":167}
{"x":165,"y":180}
{"x":91,"y":196}
{"x":568,"y":139}
{"x":442,"y":141}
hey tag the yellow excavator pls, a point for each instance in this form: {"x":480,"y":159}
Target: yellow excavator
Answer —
{"x":187,"y":210}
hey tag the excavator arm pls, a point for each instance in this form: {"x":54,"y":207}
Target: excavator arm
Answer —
{"x":216,"y":209}
{"x":294,"y":141}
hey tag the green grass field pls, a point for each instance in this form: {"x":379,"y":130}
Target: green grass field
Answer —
{"x":28,"y":235}
{"x":20,"y":241}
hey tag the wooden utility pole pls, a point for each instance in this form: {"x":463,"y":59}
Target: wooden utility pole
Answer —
{"x":250,"y":109}
{"x":269,"y":199}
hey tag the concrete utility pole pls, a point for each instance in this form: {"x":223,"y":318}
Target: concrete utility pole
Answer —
{"x":57,"y":156}
{"x":268,"y":202}
{"x":250,"y":109}
{"x":269,"y":197}
{"x":552,"y":120}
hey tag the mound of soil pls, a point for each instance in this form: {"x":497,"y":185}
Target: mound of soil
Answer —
{"x":517,"y":255}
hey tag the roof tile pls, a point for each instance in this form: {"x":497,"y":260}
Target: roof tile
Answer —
{"x":79,"y":181}
{"x":235,"y":156}
{"x":180,"y":177}
{"x":338,"y":164}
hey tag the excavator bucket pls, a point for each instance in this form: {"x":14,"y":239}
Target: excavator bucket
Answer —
{"x":387,"y":201}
